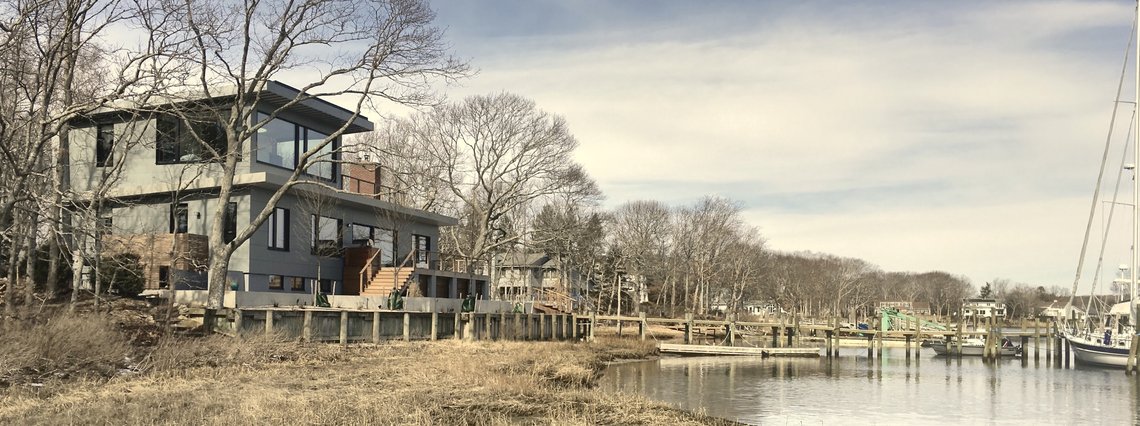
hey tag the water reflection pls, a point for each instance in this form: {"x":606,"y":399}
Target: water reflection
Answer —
{"x":854,"y":388}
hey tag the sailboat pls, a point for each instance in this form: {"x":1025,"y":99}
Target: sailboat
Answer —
{"x":1109,"y":346}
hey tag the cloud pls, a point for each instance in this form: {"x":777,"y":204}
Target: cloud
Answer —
{"x":971,"y":131}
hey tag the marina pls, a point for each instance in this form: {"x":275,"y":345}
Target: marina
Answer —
{"x":862,"y":390}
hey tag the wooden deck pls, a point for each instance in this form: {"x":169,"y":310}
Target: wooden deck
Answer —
{"x":680,"y":349}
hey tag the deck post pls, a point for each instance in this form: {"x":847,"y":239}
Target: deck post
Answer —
{"x":376,"y":327}
{"x":502,"y":320}
{"x":1024,"y":348}
{"x":268,"y":322}
{"x":574,"y":327}
{"x":407,"y":326}
{"x":641,"y":326}
{"x":434,"y":324}
{"x":594,"y":322}
{"x":487,"y":326}
{"x":870,"y":345}
{"x":237,"y":322}
{"x":688,"y":329}
{"x":307,"y":326}
{"x":1065,"y":345}
{"x":907,"y":337}
{"x":958,"y":339}
{"x":917,"y":336}
{"x":730,"y":331}
{"x":343,"y":328}
{"x":455,"y":330}
{"x":879,"y":344}
{"x":1036,"y":341}
{"x":541,"y":326}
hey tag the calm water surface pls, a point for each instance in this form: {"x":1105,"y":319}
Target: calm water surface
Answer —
{"x":853,"y":389}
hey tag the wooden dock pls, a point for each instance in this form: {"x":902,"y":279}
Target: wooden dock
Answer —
{"x":680,"y":349}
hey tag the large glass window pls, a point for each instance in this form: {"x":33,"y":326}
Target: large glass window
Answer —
{"x":321,"y":163}
{"x":279,"y":229}
{"x":326,"y":236}
{"x":386,"y":243}
{"x":175,"y":142}
{"x":277,"y":143}
{"x":281,"y":143}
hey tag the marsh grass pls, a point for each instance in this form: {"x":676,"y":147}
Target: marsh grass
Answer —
{"x":268,"y":380}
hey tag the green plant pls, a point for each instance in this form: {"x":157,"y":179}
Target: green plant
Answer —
{"x":124,"y":273}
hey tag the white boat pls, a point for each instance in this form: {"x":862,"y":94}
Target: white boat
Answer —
{"x":1107,"y":341}
{"x":972,"y":346}
{"x":1108,"y":348}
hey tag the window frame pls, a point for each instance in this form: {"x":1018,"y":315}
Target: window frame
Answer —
{"x":274,"y":219}
{"x":229,"y":222}
{"x":293,"y":283}
{"x":180,"y":141}
{"x":104,"y":145}
{"x":175,"y":209}
{"x":300,"y":146}
{"x":280,"y":279}
{"x":317,"y":249}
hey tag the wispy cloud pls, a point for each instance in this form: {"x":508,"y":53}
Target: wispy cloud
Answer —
{"x":959,"y":136}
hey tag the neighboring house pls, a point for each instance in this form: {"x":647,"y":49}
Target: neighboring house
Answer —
{"x":335,"y":242}
{"x":913,"y":308}
{"x":540,"y":278}
{"x":978,"y":308}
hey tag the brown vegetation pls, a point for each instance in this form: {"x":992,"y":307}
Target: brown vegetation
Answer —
{"x":265,"y":380}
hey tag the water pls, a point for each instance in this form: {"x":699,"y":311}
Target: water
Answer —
{"x":853,"y":389}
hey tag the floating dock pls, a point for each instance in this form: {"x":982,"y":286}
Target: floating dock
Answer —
{"x":680,"y":349}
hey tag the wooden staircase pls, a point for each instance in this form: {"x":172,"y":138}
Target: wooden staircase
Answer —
{"x":386,"y":279}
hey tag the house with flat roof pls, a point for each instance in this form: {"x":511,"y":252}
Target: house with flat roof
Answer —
{"x":336,"y":238}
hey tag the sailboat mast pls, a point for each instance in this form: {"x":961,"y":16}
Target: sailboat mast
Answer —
{"x":1135,"y":185}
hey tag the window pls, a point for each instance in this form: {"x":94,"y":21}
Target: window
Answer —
{"x":326,"y":285}
{"x":276,"y":282}
{"x":281,"y":143}
{"x":386,"y":243}
{"x":105,"y":225}
{"x":296,"y":283}
{"x":321,"y":164}
{"x":279,"y":229}
{"x":179,"y":218}
{"x":104,"y":145}
{"x":361,"y":234}
{"x":277,"y":142}
{"x":423,"y":248}
{"x":229,"y":223}
{"x":163,"y":277}
{"x":175,"y":142}
{"x":326,"y":236}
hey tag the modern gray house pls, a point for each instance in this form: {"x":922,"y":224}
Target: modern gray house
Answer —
{"x":164,"y":193}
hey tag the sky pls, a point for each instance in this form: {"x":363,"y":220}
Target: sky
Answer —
{"x":956,"y":136}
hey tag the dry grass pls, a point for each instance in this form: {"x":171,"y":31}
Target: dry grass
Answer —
{"x":64,"y":348}
{"x":218,"y":380}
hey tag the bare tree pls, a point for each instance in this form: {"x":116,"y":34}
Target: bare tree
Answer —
{"x":497,"y":155}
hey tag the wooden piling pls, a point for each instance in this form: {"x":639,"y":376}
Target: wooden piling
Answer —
{"x":641,"y":325}
{"x":730,"y":331}
{"x":307,"y":326}
{"x":958,"y":339}
{"x":1036,"y":341}
{"x":487,"y":326}
{"x":376,"y":327}
{"x":434,"y":324}
{"x":594,"y":321}
{"x":1132,"y":364}
{"x":688,"y":328}
{"x":407,"y":327}
{"x":237,"y":322}
{"x":343,"y":340}
{"x":268,"y":322}
{"x":870,"y":346}
{"x":907,"y":337}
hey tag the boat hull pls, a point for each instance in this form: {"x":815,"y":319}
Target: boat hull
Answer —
{"x":1095,"y":353}
{"x":941,"y":348}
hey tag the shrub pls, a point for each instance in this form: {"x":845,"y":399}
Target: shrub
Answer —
{"x":124,"y":273}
